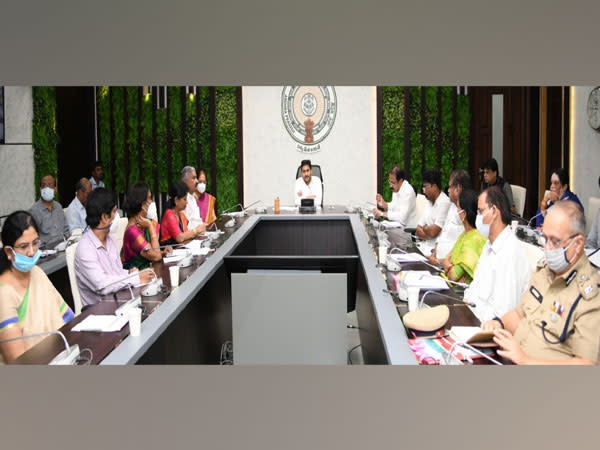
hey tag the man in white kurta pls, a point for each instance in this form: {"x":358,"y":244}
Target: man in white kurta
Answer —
{"x":402,"y":208}
{"x":308,"y":186}
{"x":191,"y":211}
{"x":503,"y":270}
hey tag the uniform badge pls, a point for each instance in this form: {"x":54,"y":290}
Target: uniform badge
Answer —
{"x":588,"y":290}
{"x":553,"y":318}
{"x":557,"y":308}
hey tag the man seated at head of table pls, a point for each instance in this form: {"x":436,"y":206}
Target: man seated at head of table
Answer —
{"x":430,"y":225}
{"x":491,"y":177}
{"x":402,"y":208}
{"x":557,"y":320}
{"x":29,"y":303}
{"x":461,"y":262}
{"x":308,"y":186}
{"x":174,"y":224}
{"x":593,"y":238}
{"x":453,"y":226}
{"x":559,"y":190}
{"x":76,"y":211}
{"x":503,"y":269}
{"x":140,"y":241}
{"x":98,"y":266}
{"x":49,"y":214}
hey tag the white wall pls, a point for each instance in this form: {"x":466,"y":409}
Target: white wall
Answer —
{"x":16,"y":154}
{"x":348,"y":155}
{"x":585,"y":151}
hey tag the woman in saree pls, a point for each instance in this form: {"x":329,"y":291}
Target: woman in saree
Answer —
{"x":461,"y":262}
{"x":174,"y":225}
{"x":140,"y":242}
{"x":205,"y":201}
{"x":29,"y":302}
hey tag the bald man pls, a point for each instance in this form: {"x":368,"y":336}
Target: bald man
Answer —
{"x":76,"y":211}
{"x":557,"y":320}
{"x":49,"y":215}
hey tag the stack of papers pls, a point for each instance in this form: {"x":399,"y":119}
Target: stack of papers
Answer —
{"x":408,"y":257}
{"x":101,"y":323}
{"x":423,"y":280}
{"x":196,"y":248}
{"x":177,"y":255}
{"x":391,"y":224}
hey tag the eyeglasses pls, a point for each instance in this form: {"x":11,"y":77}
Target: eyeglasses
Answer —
{"x":555,"y":243}
{"x":23,"y":247}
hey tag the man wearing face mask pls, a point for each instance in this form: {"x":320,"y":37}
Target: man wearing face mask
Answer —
{"x":191,"y":211}
{"x":49,"y":214}
{"x":76,"y":211}
{"x":98,"y":265}
{"x":402,"y":208}
{"x":557,"y":320}
{"x":503,"y":269}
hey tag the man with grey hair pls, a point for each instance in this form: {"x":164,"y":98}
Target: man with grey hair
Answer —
{"x":557,"y":320}
{"x":191,"y":211}
{"x":75,"y":213}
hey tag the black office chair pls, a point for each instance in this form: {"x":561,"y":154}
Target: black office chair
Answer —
{"x":316,"y":171}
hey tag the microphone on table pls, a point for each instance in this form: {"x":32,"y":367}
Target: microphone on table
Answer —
{"x":67,"y":357}
{"x":120,"y":280}
{"x":251,"y":204}
{"x":459,"y":301}
{"x":231,"y":209}
{"x":133,"y":301}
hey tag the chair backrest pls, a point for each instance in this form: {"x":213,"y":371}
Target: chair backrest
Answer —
{"x":421,"y":203}
{"x":316,"y":171}
{"x":118,"y":235}
{"x":70,"y":254}
{"x":590,"y":213}
{"x":519,"y":195}
{"x":534,"y":253}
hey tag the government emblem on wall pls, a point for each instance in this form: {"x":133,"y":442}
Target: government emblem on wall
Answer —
{"x":308,"y":114}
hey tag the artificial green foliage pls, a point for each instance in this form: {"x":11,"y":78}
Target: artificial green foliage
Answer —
{"x":226,"y":121}
{"x":393,"y":130}
{"x":183,"y":140}
{"x":44,"y":136}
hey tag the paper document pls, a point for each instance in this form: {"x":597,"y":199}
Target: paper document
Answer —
{"x":423,"y":280}
{"x":101,"y":323}
{"x":473,"y":336}
{"x":177,"y":255}
{"x":391,"y":224}
{"x":408,"y":257}
{"x":424,"y":248}
{"x":196,"y":248}
{"x":288,"y":208}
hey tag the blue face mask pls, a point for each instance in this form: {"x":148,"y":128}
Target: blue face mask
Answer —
{"x":25,"y":263}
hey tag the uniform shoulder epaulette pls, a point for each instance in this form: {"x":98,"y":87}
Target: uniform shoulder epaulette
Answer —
{"x":588,"y":285}
{"x":541,"y":263}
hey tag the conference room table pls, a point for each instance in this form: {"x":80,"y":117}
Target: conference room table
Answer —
{"x":188,"y":324}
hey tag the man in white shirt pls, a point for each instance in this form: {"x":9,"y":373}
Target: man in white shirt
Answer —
{"x":76,"y":211}
{"x":503,"y":270}
{"x":97,"y":175}
{"x":308,"y":186}
{"x":192,"y":210}
{"x":403,"y":207}
{"x":430,"y":225}
{"x":453,"y":227}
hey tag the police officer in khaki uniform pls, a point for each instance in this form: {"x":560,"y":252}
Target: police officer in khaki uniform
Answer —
{"x":557,"y":320}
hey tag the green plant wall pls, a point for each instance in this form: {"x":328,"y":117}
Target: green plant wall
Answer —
{"x":183,"y":138}
{"x":393,"y":133}
{"x":44,"y":136}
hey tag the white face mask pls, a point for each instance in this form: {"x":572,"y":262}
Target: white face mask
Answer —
{"x":152,"y":214}
{"x":47,"y":194}
{"x":557,"y":259}
{"x":201,"y":187}
{"x":483,"y":228}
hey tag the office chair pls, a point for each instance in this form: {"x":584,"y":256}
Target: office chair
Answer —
{"x":316,"y":172}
